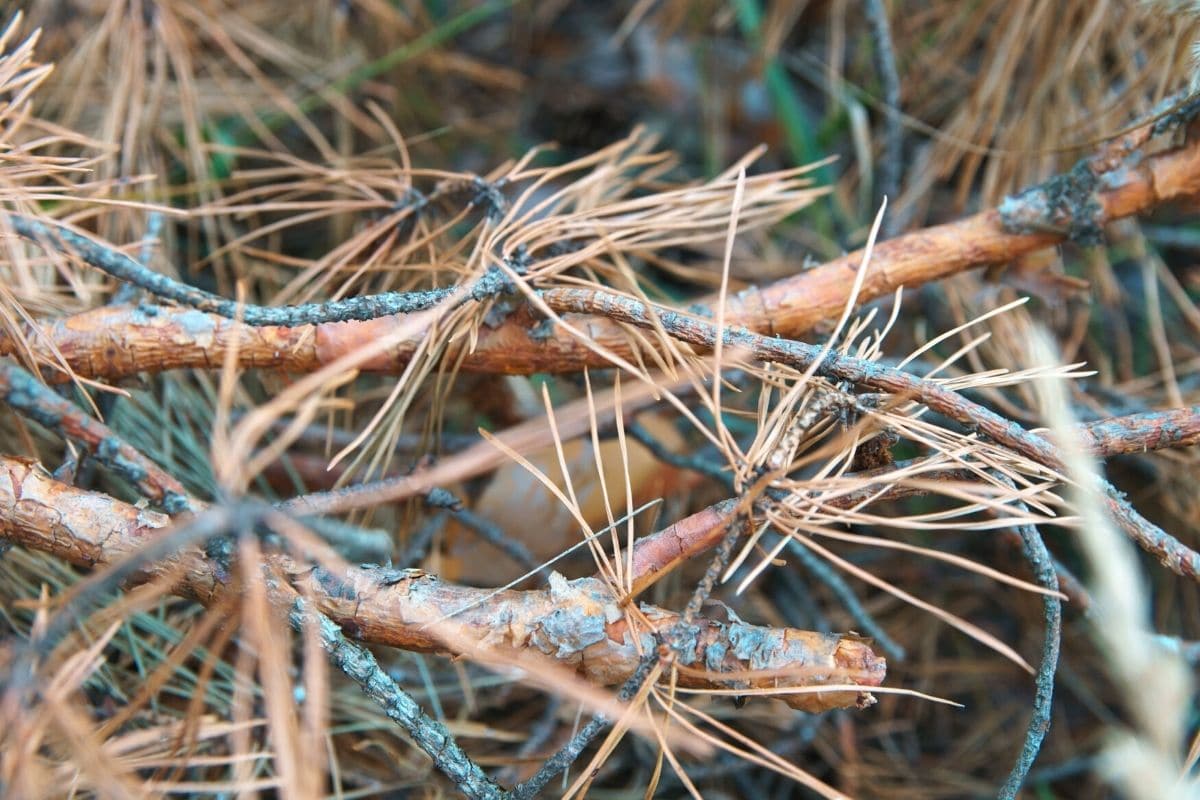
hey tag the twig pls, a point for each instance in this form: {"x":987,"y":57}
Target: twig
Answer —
{"x":658,"y":553}
{"x":494,"y":535}
{"x":734,"y":528}
{"x":893,"y":141}
{"x":419,"y":542}
{"x":485,"y":529}
{"x":1139,"y":433}
{"x":127,"y":293}
{"x":649,"y":558}
{"x":365,"y":307}
{"x":705,"y":466}
{"x":1039,"y":723}
{"x":567,"y":755}
{"x":1171,"y":112}
{"x":360,"y":665}
{"x":26,"y":395}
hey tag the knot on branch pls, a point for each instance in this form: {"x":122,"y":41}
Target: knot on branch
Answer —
{"x":1180,"y":117}
{"x":1065,"y":205}
{"x":490,"y":196}
{"x":496,"y":282}
{"x":438,"y":497}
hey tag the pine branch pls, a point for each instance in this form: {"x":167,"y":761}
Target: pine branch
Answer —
{"x":1170,"y":552}
{"x":1140,"y":433}
{"x":577,"y":623}
{"x":116,"y":342}
{"x":658,"y":553}
{"x":29,"y":397}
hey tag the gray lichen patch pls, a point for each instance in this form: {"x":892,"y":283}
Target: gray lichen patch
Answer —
{"x":578,"y":620}
{"x":1065,"y":204}
{"x":197,"y":324}
{"x":109,"y":452}
{"x":714,"y":656}
{"x":758,"y":647}
{"x":30,"y":397}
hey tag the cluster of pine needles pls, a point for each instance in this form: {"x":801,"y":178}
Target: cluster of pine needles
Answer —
{"x":365,"y":438}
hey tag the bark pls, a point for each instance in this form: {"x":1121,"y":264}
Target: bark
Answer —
{"x":1140,"y":433}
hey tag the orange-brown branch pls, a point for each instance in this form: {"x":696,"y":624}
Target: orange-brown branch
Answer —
{"x":578,"y":623}
{"x":113,"y":342}
{"x":661,"y":552}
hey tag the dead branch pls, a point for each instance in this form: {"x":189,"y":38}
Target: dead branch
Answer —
{"x":58,"y":237}
{"x":578,"y":623}
{"x":1140,"y":433}
{"x":1167,"y":549}
{"x":1170,"y":552}
{"x":24,"y":393}
{"x":113,"y":342}
{"x":1042,"y":563}
{"x":658,"y":553}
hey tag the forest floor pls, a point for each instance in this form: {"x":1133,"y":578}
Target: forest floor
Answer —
{"x":709,"y":398}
